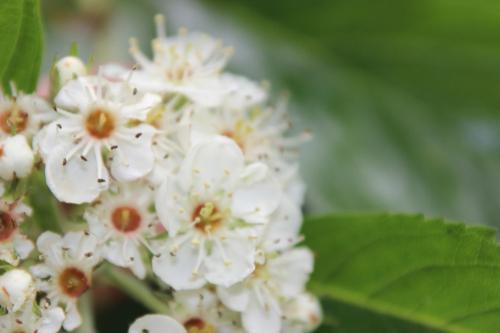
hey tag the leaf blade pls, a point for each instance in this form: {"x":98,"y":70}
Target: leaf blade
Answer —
{"x":22,"y":64}
{"x":423,"y":271}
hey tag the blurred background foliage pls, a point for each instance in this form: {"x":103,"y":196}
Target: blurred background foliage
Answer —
{"x":403,"y":97}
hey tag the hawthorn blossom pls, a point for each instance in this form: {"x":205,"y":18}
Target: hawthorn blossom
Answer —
{"x":22,"y":114}
{"x":260,"y":132}
{"x":45,"y":320}
{"x":277,"y":277}
{"x":14,"y":245}
{"x":66,"y":271}
{"x":201,"y":311}
{"x":122,"y":221}
{"x":96,"y":116}
{"x":188,"y":64}
{"x":156,"y":324}
{"x":214,"y":210}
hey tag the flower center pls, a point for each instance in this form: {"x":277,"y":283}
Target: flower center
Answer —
{"x":206,"y":217}
{"x":73,"y":282}
{"x":198,"y":325}
{"x":13,"y":120}
{"x":100,"y":124}
{"x":7,"y":226}
{"x":126,"y":219}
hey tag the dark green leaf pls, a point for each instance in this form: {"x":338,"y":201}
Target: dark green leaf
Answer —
{"x":21,"y":42}
{"x":396,"y":271}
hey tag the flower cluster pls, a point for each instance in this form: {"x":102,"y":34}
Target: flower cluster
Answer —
{"x":182,"y":173}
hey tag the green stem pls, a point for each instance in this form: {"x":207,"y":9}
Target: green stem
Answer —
{"x":134,"y":288}
{"x":87,"y":311}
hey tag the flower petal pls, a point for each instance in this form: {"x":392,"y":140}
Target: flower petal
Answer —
{"x":177,"y":269}
{"x":262,"y":315}
{"x":255,"y":203}
{"x":134,"y":157}
{"x":292,"y":270}
{"x":214,"y":162}
{"x":76,"y":181}
{"x":235,"y":297}
{"x":231,"y":262}
{"x":156,"y":324}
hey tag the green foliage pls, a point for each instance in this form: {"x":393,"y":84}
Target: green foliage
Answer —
{"x":46,"y":212}
{"x":21,"y":43}
{"x":405,"y":273}
{"x":401,"y":96}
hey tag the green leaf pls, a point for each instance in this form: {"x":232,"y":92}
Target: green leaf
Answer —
{"x":385,"y":272}
{"x":46,"y":212}
{"x":21,"y":43}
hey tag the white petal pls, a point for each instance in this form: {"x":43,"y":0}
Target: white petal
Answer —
{"x":76,"y":182}
{"x":235,"y":297}
{"x":242,"y":92}
{"x":141,"y":109}
{"x":23,"y":246}
{"x":177,"y":270}
{"x":166,"y":206}
{"x":205,"y":92}
{"x":134,"y":158}
{"x":214,"y":162}
{"x":74,"y":95}
{"x":255,"y":203}
{"x":284,"y":226}
{"x":265,"y":317}
{"x":16,"y":158}
{"x":73,"y":318}
{"x":51,"y":321}
{"x":156,"y":324}
{"x":292,"y":270}
{"x":232,"y":263}
{"x":79,"y":245}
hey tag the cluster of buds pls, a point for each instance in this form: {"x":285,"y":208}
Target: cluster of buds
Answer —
{"x":182,"y":173}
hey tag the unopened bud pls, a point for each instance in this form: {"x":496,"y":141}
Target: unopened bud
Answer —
{"x":16,"y":286}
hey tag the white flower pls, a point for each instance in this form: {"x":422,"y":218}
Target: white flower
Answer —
{"x":28,"y":320}
{"x":16,"y":157}
{"x":282,"y":232}
{"x":122,"y":221}
{"x":260,"y":132}
{"x":188,"y":64}
{"x":200,"y":311}
{"x":66,"y":271}
{"x":67,"y":69}
{"x":13,"y":244}
{"x":16,"y":286}
{"x":259,"y":297}
{"x":103,"y":119}
{"x":172,"y":138}
{"x":156,"y":324}
{"x":241,"y":92}
{"x":214,"y":210}
{"x":302,"y":314}
{"x":22,"y":114}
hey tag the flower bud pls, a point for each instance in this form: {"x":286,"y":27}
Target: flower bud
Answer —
{"x":16,"y":158}
{"x":16,"y":286}
{"x":64,"y":70}
{"x":304,"y":311}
